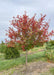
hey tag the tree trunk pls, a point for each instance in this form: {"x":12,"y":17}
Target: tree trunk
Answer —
{"x":26,"y":58}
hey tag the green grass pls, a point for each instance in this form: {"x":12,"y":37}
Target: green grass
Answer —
{"x":52,"y":71}
{"x":1,"y":56}
{"x":36,"y":48}
{"x":7,"y":64}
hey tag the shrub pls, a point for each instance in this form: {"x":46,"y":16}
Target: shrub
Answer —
{"x":50,"y":44}
{"x":11,"y":52}
{"x":2,"y":48}
{"x":49,"y":52}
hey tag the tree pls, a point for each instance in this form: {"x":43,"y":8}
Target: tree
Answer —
{"x":29,"y":32}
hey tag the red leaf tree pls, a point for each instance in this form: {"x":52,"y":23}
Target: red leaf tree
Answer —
{"x":29,"y":32}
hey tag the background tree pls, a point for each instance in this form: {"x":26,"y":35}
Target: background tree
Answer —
{"x":2,"y":47}
{"x":28,"y":32}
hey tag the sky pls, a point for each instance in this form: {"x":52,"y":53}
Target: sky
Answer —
{"x":10,"y":8}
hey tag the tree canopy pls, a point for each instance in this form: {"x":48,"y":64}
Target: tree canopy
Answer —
{"x":29,"y":32}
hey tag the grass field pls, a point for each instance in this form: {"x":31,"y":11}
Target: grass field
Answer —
{"x":7,"y":64}
{"x":36,"y":55}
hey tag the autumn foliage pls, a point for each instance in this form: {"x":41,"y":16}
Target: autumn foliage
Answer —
{"x":29,"y":32}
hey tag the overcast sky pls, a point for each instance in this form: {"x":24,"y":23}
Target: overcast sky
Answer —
{"x":10,"y":8}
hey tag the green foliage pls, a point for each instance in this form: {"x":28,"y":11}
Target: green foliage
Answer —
{"x":39,"y":45}
{"x":2,"y":47}
{"x":11,"y":52}
{"x":49,"y":52}
{"x":18,"y":46}
{"x":50,"y":44}
{"x":28,"y":47}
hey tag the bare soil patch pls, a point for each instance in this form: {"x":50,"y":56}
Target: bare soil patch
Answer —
{"x":35,"y":68}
